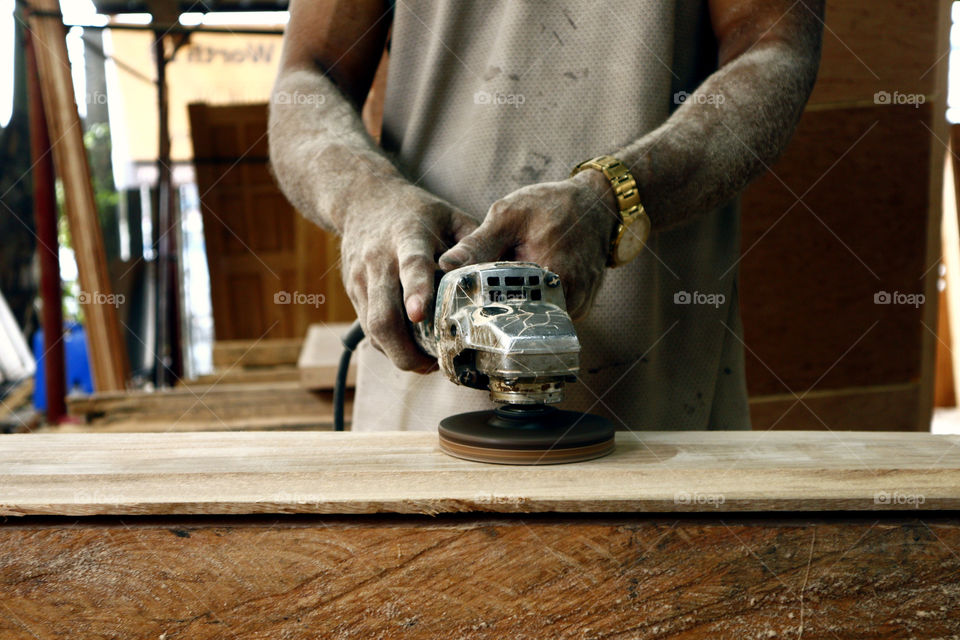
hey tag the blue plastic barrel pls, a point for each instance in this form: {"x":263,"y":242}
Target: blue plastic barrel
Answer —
{"x":79,"y":377}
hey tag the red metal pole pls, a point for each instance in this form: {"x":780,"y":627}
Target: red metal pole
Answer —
{"x":45,"y":214}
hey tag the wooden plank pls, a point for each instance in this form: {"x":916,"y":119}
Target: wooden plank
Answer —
{"x":260,"y":375}
{"x":315,"y":421}
{"x":19,"y":396}
{"x":218,"y":403}
{"x":481,"y":578}
{"x":269,"y":352}
{"x":404,"y":472}
{"x":940,"y":134}
{"x":944,"y":392}
{"x":320,"y":357}
{"x":951,"y":248}
{"x":947,"y":328}
{"x":108,"y":356}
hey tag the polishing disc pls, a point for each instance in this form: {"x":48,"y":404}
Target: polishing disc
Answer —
{"x":526,"y":435}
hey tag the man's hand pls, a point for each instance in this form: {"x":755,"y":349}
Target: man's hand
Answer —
{"x":562,"y":226}
{"x":336,"y":175}
{"x":389,"y":261}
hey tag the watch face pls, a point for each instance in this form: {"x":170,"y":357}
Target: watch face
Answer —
{"x":632,"y":240}
{"x":629,"y":247}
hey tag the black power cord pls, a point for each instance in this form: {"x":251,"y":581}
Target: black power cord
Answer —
{"x":350,"y":340}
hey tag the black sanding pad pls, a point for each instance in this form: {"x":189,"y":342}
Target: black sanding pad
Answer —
{"x":525,"y":434}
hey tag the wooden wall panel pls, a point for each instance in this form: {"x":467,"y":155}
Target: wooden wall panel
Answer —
{"x":871,"y":408}
{"x":869,"y":175}
{"x":810,"y":270}
{"x":258,"y":246}
{"x":881,"y":45}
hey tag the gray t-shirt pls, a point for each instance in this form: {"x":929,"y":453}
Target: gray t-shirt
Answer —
{"x":486,"y":96}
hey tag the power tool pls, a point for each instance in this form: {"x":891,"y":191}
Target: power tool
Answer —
{"x":504,"y":327}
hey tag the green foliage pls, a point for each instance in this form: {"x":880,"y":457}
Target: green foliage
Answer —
{"x":97,"y":142}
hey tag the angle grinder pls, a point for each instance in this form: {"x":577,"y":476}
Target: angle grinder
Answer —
{"x":504,"y":327}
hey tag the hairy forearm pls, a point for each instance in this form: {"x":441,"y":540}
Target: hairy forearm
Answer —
{"x":323,"y":158}
{"x":725,"y":134}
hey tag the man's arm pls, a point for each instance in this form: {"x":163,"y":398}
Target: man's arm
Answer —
{"x":702,"y":156}
{"x":335,"y":174}
{"x":317,"y":139}
{"x":738,"y":122}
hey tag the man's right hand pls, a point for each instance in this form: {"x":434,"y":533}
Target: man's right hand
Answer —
{"x":392,"y":231}
{"x":389,"y":254}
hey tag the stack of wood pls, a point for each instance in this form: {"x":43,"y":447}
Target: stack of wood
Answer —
{"x":265,"y":384}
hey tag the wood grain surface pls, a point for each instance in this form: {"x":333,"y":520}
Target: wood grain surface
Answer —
{"x":357,"y":473}
{"x":481,"y":577}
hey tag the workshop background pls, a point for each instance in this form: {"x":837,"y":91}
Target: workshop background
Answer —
{"x":210,"y":287}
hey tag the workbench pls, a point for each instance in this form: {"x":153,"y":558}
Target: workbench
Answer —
{"x":360,"y":535}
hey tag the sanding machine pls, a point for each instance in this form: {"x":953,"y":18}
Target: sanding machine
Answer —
{"x":504,"y":327}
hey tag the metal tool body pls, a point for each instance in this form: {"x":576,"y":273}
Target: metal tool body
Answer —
{"x":503,"y":326}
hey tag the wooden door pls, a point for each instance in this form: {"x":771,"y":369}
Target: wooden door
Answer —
{"x":272,"y":272}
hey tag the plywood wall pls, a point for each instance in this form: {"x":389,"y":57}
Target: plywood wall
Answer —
{"x":851,"y":212}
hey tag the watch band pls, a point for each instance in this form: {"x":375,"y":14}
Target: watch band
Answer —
{"x":628,"y":199}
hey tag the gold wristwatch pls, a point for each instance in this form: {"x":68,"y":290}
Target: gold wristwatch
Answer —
{"x":631,"y":234}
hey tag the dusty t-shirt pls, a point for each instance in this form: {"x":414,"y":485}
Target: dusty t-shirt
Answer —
{"x":486,"y":96}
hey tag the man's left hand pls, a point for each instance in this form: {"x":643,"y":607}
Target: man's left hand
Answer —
{"x":562,"y":226}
